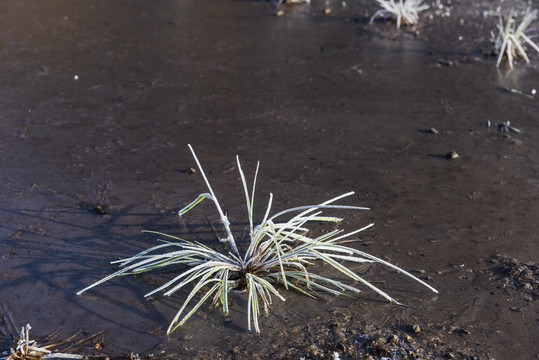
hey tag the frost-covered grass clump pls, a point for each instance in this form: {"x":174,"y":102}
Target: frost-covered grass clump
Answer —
{"x":404,"y":11}
{"x":511,"y":39}
{"x":280,"y":255}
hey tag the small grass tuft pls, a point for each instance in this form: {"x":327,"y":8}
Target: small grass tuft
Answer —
{"x":279,"y":254}
{"x":404,"y":11}
{"x":27,"y":349}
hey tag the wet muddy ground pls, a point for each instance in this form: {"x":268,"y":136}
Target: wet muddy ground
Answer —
{"x":100,"y":99}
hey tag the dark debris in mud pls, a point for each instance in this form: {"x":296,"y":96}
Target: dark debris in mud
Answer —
{"x":349,"y":338}
{"x":523,"y":277}
{"x":96,"y":209}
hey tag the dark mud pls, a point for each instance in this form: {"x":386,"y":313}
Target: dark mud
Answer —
{"x":99,"y":100}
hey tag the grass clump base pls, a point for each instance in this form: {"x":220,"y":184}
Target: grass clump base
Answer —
{"x":278,"y":256}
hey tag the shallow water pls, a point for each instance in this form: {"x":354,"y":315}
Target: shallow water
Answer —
{"x":100,"y":100}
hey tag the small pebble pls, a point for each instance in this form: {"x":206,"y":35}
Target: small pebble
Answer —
{"x":416,"y":329}
{"x":327,"y":11}
{"x":279,"y":13}
{"x":393,"y":339}
{"x":452,"y":156}
{"x":314,"y":349}
{"x":433,"y":131}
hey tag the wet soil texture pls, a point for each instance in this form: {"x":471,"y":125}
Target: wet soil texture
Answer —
{"x":100,"y":98}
